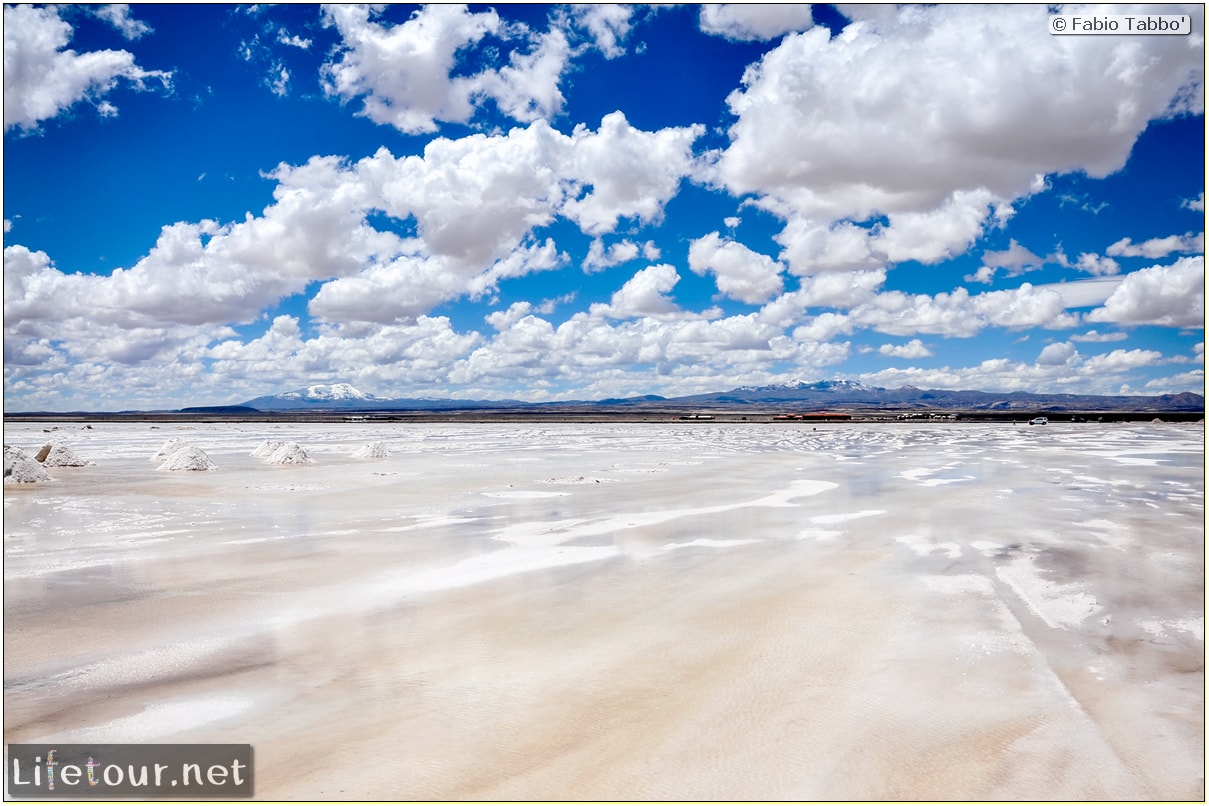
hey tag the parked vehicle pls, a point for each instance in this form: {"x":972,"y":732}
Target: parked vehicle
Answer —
{"x":1039,"y":421}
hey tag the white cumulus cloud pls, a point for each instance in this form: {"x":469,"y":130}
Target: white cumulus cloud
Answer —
{"x":527,"y":88}
{"x":740,"y":273}
{"x":43,"y":78}
{"x":1016,"y":259}
{"x":879,"y":119}
{"x":476,"y":198}
{"x":1096,"y":336}
{"x":962,"y":315}
{"x":294,"y":41}
{"x":912,"y":349}
{"x":118,"y":15}
{"x":1096,"y":265}
{"x":1173,"y":296}
{"x":608,"y":23}
{"x":1121,"y":360}
{"x":875,"y":125}
{"x":631,"y":173}
{"x":1159,"y":247}
{"x":644,"y":294}
{"x":1059,"y":354}
{"x":755,"y":21}
{"x":406,"y":74}
{"x":599,"y":258}
{"x":403,"y":71}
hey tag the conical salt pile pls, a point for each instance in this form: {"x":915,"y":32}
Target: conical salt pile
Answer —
{"x":20,"y":467}
{"x":266,"y":448}
{"x":60,"y":456}
{"x":371,"y":450}
{"x":290,"y":453}
{"x":188,"y":457}
{"x":11,"y":454}
{"x":167,"y":449}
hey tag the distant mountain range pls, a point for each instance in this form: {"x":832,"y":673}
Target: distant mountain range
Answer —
{"x":802,"y":395}
{"x":343,"y":396}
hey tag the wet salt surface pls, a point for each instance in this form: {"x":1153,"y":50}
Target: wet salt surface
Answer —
{"x":740,"y":612}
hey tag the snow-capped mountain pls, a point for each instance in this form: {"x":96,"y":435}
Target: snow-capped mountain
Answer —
{"x":319,"y":395}
{"x":343,"y":396}
{"x":797,"y":391}
{"x":327,"y":392}
{"x":797,"y":385}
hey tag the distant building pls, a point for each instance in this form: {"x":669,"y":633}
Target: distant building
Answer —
{"x":814,"y":416}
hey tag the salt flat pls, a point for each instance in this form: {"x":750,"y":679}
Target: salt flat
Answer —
{"x":763,"y":611}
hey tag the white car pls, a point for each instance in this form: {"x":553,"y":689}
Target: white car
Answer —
{"x":1039,"y":421}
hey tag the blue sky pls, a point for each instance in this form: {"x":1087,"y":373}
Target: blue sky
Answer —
{"x":208,"y":203}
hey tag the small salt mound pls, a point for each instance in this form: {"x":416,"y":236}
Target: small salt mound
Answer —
{"x":167,"y":449}
{"x":290,"y":453}
{"x":11,"y":454}
{"x":266,"y":449}
{"x":53,"y":455}
{"x":188,"y":457}
{"x":24,"y":470}
{"x":371,"y":450}
{"x":20,"y":467}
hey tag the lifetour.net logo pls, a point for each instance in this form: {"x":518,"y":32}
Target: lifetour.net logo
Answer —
{"x":106,"y":771}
